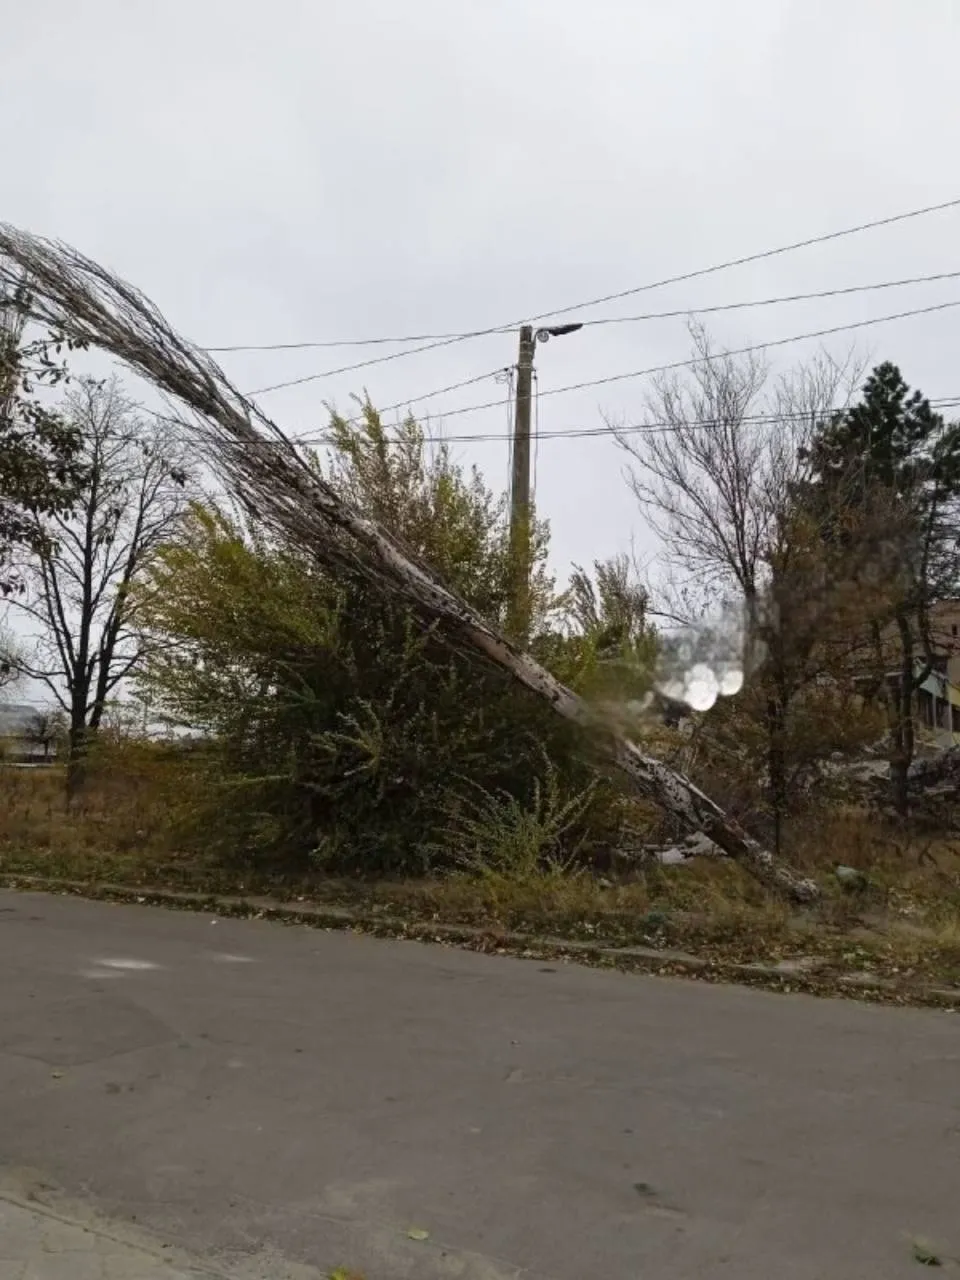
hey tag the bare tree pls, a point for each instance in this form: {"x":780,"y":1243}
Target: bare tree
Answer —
{"x":47,"y":729}
{"x":713,"y":468}
{"x":699,"y":470}
{"x":715,"y":456}
{"x":80,"y":599}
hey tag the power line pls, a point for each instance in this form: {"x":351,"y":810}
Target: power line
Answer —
{"x":638,"y":373}
{"x":741,"y":351}
{"x":364,"y":364}
{"x":604,"y":320}
{"x":439,"y":391}
{"x":652,"y":427}
{"x":754,"y":257}
{"x":536,"y":427}
{"x":510,"y":437}
{"x":328,"y":344}
{"x":624,"y":293}
{"x":658,"y":427}
{"x":637,"y":428}
{"x":463,"y":335}
{"x":428,"y":395}
{"x":769,"y":302}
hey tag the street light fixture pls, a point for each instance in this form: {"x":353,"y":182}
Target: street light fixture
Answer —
{"x":556,"y":331}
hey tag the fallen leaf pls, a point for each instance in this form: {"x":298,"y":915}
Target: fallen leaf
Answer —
{"x":925,"y":1256}
{"x":418,"y":1233}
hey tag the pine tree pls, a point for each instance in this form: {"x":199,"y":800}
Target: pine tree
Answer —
{"x":884,"y":485}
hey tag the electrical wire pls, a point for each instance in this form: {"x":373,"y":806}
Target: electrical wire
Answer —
{"x":654,"y":427}
{"x":605,"y":320}
{"x":769,"y":302}
{"x":753,"y":257}
{"x":440,"y":391}
{"x":327,"y":344}
{"x":720,"y":355}
{"x":536,"y":429}
{"x":636,"y":373}
{"x":463,"y":335}
{"x":611,"y":297}
{"x":428,"y":395}
{"x":640,"y":428}
{"x":361,"y":364}
{"x":507,"y":377}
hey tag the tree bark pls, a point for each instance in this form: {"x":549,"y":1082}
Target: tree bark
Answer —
{"x":902,"y":734}
{"x":78,"y":745}
{"x":777,"y":765}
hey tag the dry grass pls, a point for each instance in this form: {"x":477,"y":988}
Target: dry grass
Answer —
{"x":124,"y":829}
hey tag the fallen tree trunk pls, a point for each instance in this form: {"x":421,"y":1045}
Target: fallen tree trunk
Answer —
{"x":281,"y":489}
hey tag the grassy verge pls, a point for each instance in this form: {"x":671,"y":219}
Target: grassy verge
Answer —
{"x":902,"y":925}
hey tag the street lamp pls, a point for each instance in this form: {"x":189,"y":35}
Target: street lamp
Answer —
{"x":556,"y":331}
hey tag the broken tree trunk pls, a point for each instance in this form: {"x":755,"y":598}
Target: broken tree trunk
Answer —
{"x":284,"y":491}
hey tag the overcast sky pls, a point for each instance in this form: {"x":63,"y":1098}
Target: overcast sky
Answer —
{"x":303,"y":171}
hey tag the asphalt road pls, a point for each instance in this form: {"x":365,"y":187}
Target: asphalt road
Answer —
{"x":267,"y":1097}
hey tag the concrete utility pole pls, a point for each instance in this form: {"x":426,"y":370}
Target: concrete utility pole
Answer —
{"x":520,"y":480}
{"x":518,"y":623}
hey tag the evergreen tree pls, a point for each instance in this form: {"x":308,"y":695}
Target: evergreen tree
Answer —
{"x":884,"y":486}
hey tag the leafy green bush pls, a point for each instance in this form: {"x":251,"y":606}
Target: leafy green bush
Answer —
{"x":339,"y":729}
{"x":499,"y":833}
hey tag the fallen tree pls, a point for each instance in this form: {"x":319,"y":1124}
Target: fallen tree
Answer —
{"x":281,"y":490}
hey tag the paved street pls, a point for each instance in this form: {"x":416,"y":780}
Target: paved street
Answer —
{"x":254,"y":1100}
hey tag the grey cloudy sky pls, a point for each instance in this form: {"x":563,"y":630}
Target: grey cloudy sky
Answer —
{"x":295,"y":171}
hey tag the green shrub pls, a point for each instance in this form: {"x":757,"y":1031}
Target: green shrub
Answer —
{"x":340,"y":729}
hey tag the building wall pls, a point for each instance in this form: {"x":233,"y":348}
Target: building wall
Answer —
{"x":19,"y":750}
{"x":938,"y":711}
{"x":945,"y":623}
{"x":953,"y":697}
{"x":946,"y":639}
{"x":937,"y":721}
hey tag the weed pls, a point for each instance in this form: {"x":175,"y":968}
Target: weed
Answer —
{"x":497,"y":835}
{"x":923,"y":1254}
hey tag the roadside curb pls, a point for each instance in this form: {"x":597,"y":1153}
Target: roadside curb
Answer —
{"x":810,"y":974}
